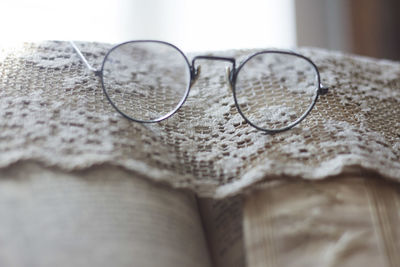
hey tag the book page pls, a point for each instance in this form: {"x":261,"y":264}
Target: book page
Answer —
{"x":222,"y":221}
{"x":338,"y":222}
{"x":102,"y":217}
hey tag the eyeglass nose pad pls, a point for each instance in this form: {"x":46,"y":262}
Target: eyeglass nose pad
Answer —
{"x":228,"y":77}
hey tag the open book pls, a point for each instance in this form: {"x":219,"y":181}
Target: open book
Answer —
{"x":105,"y":216}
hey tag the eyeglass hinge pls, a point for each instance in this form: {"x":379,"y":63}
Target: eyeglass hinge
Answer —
{"x":195,"y":74}
{"x":97,"y":73}
{"x":323,"y":90}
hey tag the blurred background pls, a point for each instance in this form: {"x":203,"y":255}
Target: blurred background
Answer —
{"x":366,"y":27}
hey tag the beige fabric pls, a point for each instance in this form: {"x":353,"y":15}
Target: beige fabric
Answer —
{"x":53,"y":111}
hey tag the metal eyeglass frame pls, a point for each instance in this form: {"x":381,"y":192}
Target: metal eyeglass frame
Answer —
{"x":194,"y":74}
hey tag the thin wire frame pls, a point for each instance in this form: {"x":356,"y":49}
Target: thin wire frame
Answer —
{"x":169,"y":114}
{"x":318,"y":91}
{"x":194,"y":73}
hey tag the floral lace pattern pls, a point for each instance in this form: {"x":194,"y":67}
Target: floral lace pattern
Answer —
{"x":53,"y":111}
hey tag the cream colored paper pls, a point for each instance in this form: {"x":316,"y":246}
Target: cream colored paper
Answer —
{"x":342,"y":222}
{"x":101,"y":217}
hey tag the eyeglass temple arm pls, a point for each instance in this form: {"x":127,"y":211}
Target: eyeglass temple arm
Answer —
{"x":90,"y":67}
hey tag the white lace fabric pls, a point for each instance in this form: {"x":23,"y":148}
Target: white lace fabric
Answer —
{"x":53,"y":111}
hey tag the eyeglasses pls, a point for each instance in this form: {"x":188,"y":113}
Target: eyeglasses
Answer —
{"x":148,"y":81}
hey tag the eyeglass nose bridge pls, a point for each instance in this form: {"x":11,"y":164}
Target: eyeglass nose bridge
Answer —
{"x":196,"y":70}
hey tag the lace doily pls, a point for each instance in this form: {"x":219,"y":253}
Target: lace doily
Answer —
{"x":53,"y":111}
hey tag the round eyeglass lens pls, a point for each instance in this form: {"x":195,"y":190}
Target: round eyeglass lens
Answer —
{"x":146,"y":81}
{"x":274,"y":91}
